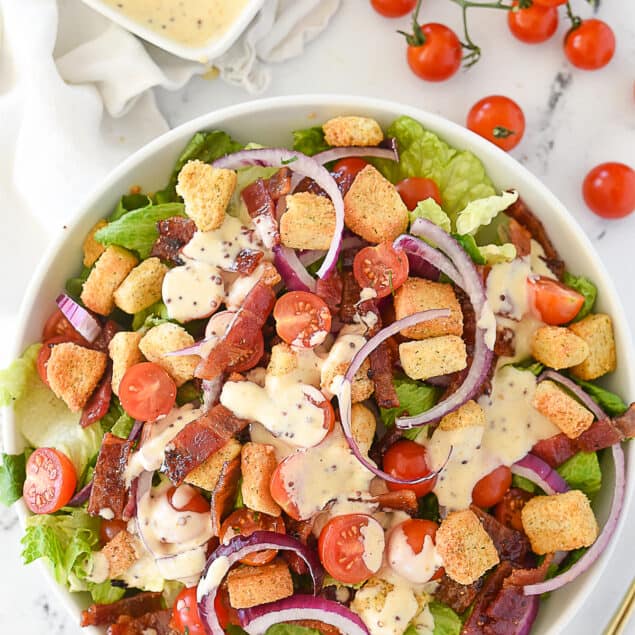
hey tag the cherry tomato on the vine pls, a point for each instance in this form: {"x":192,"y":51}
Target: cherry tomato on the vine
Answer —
{"x":492,"y":487}
{"x":350,"y":166}
{"x":393,"y":8}
{"x":438,"y":56}
{"x":415,"y":189}
{"x":499,"y":119}
{"x":609,"y":190}
{"x":533,"y":25}
{"x":408,"y":460}
{"x":382,"y":268}
{"x":590,"y":45}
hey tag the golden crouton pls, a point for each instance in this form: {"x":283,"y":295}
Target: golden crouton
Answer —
{"x":373,"y":208}
{"x":165,"y":338}
{"x":468,"y":415}
{"x":73,"y":372}
{"x":142,"y":286}
{"x":124,"y":352}
{"x":597,"y":331}
{"x":361,"y":387}
{"x":433,"y":357}
{"x":257,"y":464}
{"x":466,"y":548}
{"x":206,"y":475}
{"x":557,"y":347}
{"x":251,"y":586}
{"x":109,"y":272}
{"x":120,"y":553}
{"x":206,"y":192}
{"x":308,"y":223}
{"x":561,"y":409}
{"x":352,"y":131}
{"x":415,"y":295}
{"x":363,"y":426}
{"x":561,"y":522}
{"x":92,"y":249}
{"x":283,"y":360}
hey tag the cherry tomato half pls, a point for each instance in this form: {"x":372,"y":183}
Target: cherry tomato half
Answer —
{"x":591,"y":45}
{"x":244,"y":522}
{"x":439,"y":57}
{"x":508,"y":510}
{"x":416,"y":531}
{"x":499,"y":119}
{"x":146,"y":391}
{"x":108,"y":529}
{"x":382,"y":268}
{"x":415,"y":189}
{"x":341,"y":548}
{"x":533,"y":25}
{"x":188,"y":499}
{"x":302,"y":318}
{"x":609,"y":190}
{"x":393,"y":8}
{"x":408,"y":460}
{"x":351,"y":166}
{"x":492,"y":487}
{"x":57,"y":325}
{"x":50,"y":481}
{"x":278,"y":486}
{"x":556,"y":303}
{"x":185,"y":615}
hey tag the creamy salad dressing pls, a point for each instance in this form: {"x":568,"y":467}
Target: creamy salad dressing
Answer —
{"x":507,"y":288}
{"x":417,"y":568}
{"x":372,"y":536}
{"x":538,"y":265}
{"x":193,"y":23}
{"x":348,"y":342}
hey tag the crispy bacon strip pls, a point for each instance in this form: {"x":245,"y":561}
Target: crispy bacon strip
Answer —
{"x":301,"y":530}
{"x":224,"y":493}
{"x":198,"y":440}
{"x":330,"y":290}
{"x":262,"y":208}
{"x":511,"y":545}
{"x":109,"y":485}
{"x":457,"y":596}
{"x":174,"y":233}
{"x":350,"y":297}
{"x":157,"y":623}
{"x":99,"y":402}
{"x":247,"y":261}
{"x":135,"y":606}
{"x":520,"y":237}
{"x":402,"y":500}
{"x":381,"y":372}
{"x":344,"y":181}
{"x":105,"y":335}
{"x":279,"y":184}
{"x":555,"y":450}
{"x":505,"y":345}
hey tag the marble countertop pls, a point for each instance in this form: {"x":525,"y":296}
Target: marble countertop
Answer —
{"x":574,"y":121}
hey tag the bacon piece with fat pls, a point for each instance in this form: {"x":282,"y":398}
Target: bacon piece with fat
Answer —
{"x":456,"y":595}
{"x":157,"y":623}
{"x":108,"y":495}
{"x":555,"y":450}
{"x":330,"y":290}
{"x":108,"y":331}
{"x":247,"y":261}
{"x":381,"y":372}
{"x":224,"y":493}
{"x":198,"y":440}
{"x":520,"y":237}
{"x":135,"y":606}
{"x":98,"y":403}
{"x":262,"y":209}
{"x":279,"y":184}
{"x":511,"y":545}
{"x":401,"y":500}
{"x":174,"y":233}
{"x":350,"y":297}
{"x":344,"y":180}
{"x":301,"y":530}
{"x":601,"y":434}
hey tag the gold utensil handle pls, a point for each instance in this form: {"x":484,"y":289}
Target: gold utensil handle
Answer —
{"x":617,"y":625}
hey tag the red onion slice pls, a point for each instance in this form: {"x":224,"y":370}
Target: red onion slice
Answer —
{"x":306,"y":166}
{"x":335,"y":154}
{"x":344,"y":391}
{"x":577,"y":391}
{"x":598,"y":547}
{"x":295,"y":276}
{"x":537,"y":471}
{"x":82,"y":320}
{"x":82,"y":496}
{"x":225,"y":556}
{"x":483,"y":339}
{"x":258,"y":619}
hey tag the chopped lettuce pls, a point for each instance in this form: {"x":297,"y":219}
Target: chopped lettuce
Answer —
{"x":206,"y":146}
{"x":14,"y":380}
{"x":12,"y":477}
{"x":469,"y":244}
{"x":584,"y":286}
{"x":446,"y":621}
{"x":329,"y":580}
{"x":67,"y":540}
{"x":495,"y":254}
{"x":524,"y":483}
{"x":310,"y":141}
{"x":582,"y":471}
{"x":460,"y":175}
{"x":531,"y":365}
{"x":137,"y":230}
{"x":128,"y":203}
{"x":483,"y":211}
{"x":276,"y":629}
{"x":188,"y":392}
{"x":153,"y":315}
{"x":415,"y":397}
{"x":611,"y":403}
{"x":429,"y":507}
{"x":431,"y":210}
{"x":75,"y":285}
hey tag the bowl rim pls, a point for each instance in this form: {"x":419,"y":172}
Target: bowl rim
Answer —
{"x":204,"y":53}
{"x":438,"y":124}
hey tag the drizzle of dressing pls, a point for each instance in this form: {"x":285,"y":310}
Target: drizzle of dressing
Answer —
{"x":417,"y":568}
{"x":349,"y":341}
{"x":507,"y":288}
{"x":214,"y":576}
{"x":372,"y":536}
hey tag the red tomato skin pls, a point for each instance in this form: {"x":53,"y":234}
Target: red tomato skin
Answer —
{"x":58,"y":325}
{"x":533,"y":25}
{"x":554,"y":302}
{"x":50,"y":481}
{"x":198,"y":504}
{"x":408,"y":460}
{"x":550,"y":3}
{"x":591,"y":45}
{"x":300,"y":316}
{"x":393,"y":8}
{"x":134,"y":387}
{"x":439,"y":57}
{"x":416,"y":530}
{"x":415,"y":189}
{"x":609,"y":190}
{"x":279,"y":492}
{"x":350,"y":166}
{"x":382,"y":268}
{"x":497,"y":111}
{"x":185,"y":615}
{"x":491,"y":488}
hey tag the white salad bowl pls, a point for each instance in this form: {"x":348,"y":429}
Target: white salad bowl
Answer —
{"x":270,"y":122}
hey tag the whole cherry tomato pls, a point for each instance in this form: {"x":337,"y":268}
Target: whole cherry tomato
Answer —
{"x":499,"y":119}
{"x":492,"y":487}
{"x":393,"y":8}
{"x":590,"y":45}
{"x":434,"y":52}
{"x":533,"y":25}
{"x":609,"y":190}
{"x":408,"y":460}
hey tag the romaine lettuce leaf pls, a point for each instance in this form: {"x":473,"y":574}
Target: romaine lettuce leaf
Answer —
{"x":276,"y":629}
{"x":75,"y":285}
{"x":15,"y":378}
{"x":12,"y":477}
{"x":309,"y":141}
{"x":469,"y":244}
{"x":431,"y":210}
{"x":582,"y":471}
{"x":137,"y":230}
{"x":459,"y":174}
{"x":446,"y":621}
{"x":494,"y":254}
{"x":153,"y":315}
{"x":128,"y":203}
{"x":483,"y":211}
{"x":584,"y":286}
{"x":611,"y":403}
